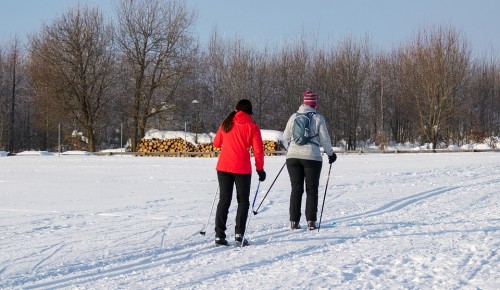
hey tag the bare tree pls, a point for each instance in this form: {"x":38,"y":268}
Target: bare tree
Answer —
{"x":213,"y":77}
{"x":352,"y":69}
{"x":400,"y":109}
{"x":158,"y":49}
{"x":485,"y":82}
{"x":264,"y":92}
{"x":323,"y":81}
{"x":72,"y":62}
{"x":247,"y":75}
{"x":292,"y":75}
{"x":390,"y":109}
{"x":433,"y":67}
{"x":232,"y":71}
{"x":15,"y":56}
{"x":3,"y":100}
{"x":13,"y":94}
{"x":379,"y":91}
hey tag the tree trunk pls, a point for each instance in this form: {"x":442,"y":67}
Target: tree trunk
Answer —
{"x":13,"y":102}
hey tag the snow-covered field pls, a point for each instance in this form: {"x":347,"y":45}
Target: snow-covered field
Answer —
{"x":402,"y":221}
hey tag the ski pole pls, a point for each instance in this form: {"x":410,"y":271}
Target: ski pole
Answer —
{"x":203,"y":232}
{"x":256,"y":211}
{"x":248,"y":221}
{"x":324,"y":197}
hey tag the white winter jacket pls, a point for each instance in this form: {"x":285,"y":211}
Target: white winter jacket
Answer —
{"x":308,"y":151}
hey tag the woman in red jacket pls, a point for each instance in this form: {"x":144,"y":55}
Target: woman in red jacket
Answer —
{"x":236,"y":135}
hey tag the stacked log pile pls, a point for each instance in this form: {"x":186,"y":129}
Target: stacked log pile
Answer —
{"x":270,"y":147}
{"x":177,"y":147}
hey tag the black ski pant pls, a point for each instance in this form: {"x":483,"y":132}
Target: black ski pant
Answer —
{"x":301,"y":170}
{"x":226,"y":184}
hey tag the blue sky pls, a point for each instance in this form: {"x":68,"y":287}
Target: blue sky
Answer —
{"x":387,"y":23}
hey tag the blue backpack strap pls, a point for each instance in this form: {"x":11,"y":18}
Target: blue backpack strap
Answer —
{"x":310,"y":117}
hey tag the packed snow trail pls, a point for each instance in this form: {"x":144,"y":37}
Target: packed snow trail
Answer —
{"x":417,"y":221}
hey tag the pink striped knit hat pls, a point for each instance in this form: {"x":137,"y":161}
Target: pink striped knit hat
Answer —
{"x":310,"y":98}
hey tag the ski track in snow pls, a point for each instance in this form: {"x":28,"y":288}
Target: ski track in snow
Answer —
{"x":400,"y":224}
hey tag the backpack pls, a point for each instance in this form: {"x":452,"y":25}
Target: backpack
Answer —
{"x":301,"y":134}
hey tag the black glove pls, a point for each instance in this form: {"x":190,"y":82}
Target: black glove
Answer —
{"x":262,"y":175}
{"x":332,"y":158}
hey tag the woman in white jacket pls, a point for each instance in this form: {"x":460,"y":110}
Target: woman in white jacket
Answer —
{"x":304,"y":162}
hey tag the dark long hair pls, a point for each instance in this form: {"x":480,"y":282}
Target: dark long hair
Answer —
{"x":242,"y":105}
{"x":227,"y":124}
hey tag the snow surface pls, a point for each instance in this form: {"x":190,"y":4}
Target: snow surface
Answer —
{"x":403,"y":221}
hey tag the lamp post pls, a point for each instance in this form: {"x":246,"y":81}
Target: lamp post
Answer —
{"x":196,"y":121}
{"x":185,"y":139}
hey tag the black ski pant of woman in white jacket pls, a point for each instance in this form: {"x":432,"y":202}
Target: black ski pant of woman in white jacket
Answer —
{"x":301,"y":170}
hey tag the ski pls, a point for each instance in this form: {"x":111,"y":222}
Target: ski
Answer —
{"x":234,"y":245}
{"x":238,"y":244}
{"x":305,"y":228}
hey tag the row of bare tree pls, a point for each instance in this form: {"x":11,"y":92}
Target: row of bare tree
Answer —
{"x":148,"y":70}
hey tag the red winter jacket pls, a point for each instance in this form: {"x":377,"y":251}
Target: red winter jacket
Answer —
{"x":235,"y":145}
